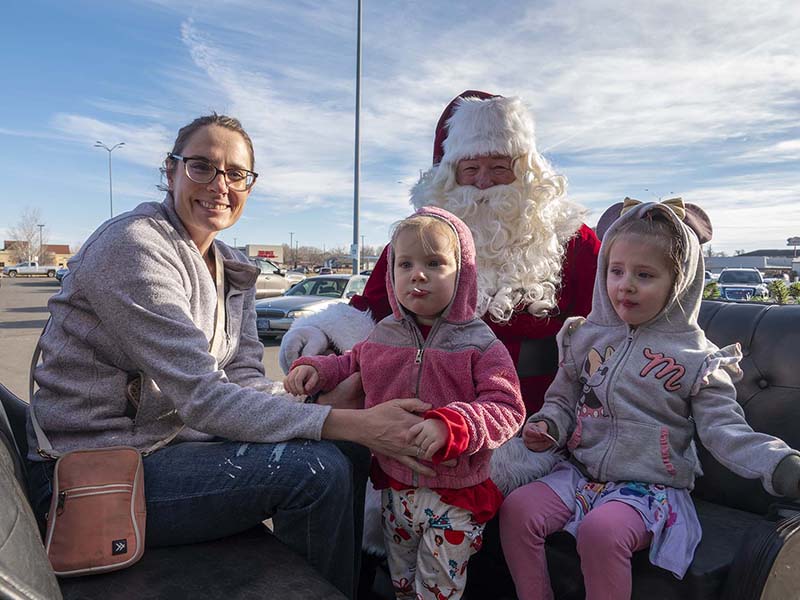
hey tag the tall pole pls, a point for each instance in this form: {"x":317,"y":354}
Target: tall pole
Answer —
{"x":99,"y":144}
{"x":356,"y":251}
{"x":295,"y":254}
{"x":41,"y":250}
{"x":291,"y":243}
{"x":361,"y":251}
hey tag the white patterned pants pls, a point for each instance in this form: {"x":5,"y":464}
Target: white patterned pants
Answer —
{"x":428,"y":544}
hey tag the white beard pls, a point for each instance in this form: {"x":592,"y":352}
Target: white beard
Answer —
{"x":520,"y":233}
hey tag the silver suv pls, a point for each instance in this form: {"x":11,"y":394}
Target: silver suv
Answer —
{"x":741,"y":284}
{"x":273,"y":280}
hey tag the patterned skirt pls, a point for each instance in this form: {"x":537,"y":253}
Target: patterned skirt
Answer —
{"x":668,"y":513}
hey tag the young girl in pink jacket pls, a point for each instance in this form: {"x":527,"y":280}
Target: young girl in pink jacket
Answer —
{"x":434,"y":348}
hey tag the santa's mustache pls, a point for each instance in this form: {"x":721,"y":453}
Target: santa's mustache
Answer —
{"x":518,"y":261}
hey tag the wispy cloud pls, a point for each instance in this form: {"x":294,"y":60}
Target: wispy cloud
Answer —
{"x":144,"y":145}
{"x":699,"y":99}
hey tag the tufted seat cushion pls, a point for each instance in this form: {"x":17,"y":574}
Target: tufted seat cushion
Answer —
{"x":769,"y":391}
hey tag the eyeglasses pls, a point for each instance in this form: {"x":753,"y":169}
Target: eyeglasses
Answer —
{"x":200,"y":170}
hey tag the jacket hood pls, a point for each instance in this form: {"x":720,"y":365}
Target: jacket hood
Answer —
{"x":683,"y":305}
{"x":465,"y":299}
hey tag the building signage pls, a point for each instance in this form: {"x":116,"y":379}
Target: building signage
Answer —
{"x":272,"y":252}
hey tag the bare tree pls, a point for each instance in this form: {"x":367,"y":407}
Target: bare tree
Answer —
{"x":29,"y":239}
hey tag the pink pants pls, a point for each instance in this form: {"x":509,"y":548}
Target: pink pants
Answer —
{"x":607,"y":537}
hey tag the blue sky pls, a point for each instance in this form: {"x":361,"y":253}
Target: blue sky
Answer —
{"x":646,"y":99}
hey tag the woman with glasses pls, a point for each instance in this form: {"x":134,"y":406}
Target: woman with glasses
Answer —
{"x":152,"y":343}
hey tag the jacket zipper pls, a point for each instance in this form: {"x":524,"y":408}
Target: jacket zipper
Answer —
{"x":227,"y":357}
{"x":421,"y":345}
{"x":601,"y":472}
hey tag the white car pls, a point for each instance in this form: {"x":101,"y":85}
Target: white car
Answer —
{"x":276,"y":315}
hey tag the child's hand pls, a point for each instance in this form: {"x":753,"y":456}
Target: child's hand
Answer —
{"x":536,"y":437}
{"x":301,"y":380}
{"x":429,"y":436}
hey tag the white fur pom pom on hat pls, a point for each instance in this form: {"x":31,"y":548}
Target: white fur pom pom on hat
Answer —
{"x":483,"y":127}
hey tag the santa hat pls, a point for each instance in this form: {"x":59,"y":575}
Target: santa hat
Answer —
{"x":479,"y":124}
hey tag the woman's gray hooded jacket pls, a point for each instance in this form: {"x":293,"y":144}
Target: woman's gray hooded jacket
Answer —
{"x":139,"y":302}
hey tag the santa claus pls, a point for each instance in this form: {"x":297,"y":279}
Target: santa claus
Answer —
{"x":536,"y":259}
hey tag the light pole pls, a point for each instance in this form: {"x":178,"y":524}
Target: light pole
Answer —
{"x":291,"y":243}
{"x":295,"y":253}
{"x":354,"y":249}
{"x":99,"y":144}
{"x":361,"y":252}
{"x":39,"y":257}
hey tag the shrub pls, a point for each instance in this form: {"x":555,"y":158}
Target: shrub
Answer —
{"x":794,"y":291}
{"x":779,"y":291}
{"x":711,"y":291}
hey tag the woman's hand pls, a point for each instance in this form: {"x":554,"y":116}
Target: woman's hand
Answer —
{"x":384,"y":429}
{"x":536,"y":437}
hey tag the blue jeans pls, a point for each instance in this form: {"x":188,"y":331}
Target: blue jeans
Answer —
{"x":199,"y":491}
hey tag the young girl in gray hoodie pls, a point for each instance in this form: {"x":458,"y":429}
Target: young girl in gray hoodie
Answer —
{"x":637,"y":380}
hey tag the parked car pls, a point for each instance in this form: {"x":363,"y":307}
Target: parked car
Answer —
{"x":61,"y":273}
{"x":366,"y":272}
{"x":276,"y":315}
{"x":325,"y":271}
{"x":741,"y":283}
{"x":273,"y":280}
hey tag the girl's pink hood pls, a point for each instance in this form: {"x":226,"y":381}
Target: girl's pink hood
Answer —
{"x":464,"y":302}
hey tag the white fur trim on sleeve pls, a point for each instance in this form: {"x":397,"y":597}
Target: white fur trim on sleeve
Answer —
{"x":276,"y":389}
{"x":344,"y":325}
{"x":513,"y":465}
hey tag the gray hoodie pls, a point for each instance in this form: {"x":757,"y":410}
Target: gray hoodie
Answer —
{"x":139,"y":301}
{"x":627,"y":402}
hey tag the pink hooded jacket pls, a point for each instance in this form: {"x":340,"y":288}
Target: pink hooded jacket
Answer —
{"x":460,"y":365}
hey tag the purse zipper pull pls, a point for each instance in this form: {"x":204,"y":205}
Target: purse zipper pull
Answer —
{"x":62,"y":498}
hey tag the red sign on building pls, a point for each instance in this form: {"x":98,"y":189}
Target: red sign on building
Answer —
{"x":266,"y":254}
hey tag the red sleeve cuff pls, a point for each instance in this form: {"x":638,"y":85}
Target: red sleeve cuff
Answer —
{"x":458,"y":434}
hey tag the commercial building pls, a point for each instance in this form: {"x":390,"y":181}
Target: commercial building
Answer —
{"x":771,"y":263}
{"x":57,"y":254}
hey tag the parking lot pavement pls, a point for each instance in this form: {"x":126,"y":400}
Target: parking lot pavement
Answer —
{"x":23,"y":314}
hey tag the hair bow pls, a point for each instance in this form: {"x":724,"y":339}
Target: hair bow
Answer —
{"x":691,"y":214}
{"x":676,"y":204}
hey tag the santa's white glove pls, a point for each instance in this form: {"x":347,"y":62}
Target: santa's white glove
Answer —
{"x":301,"y":341}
